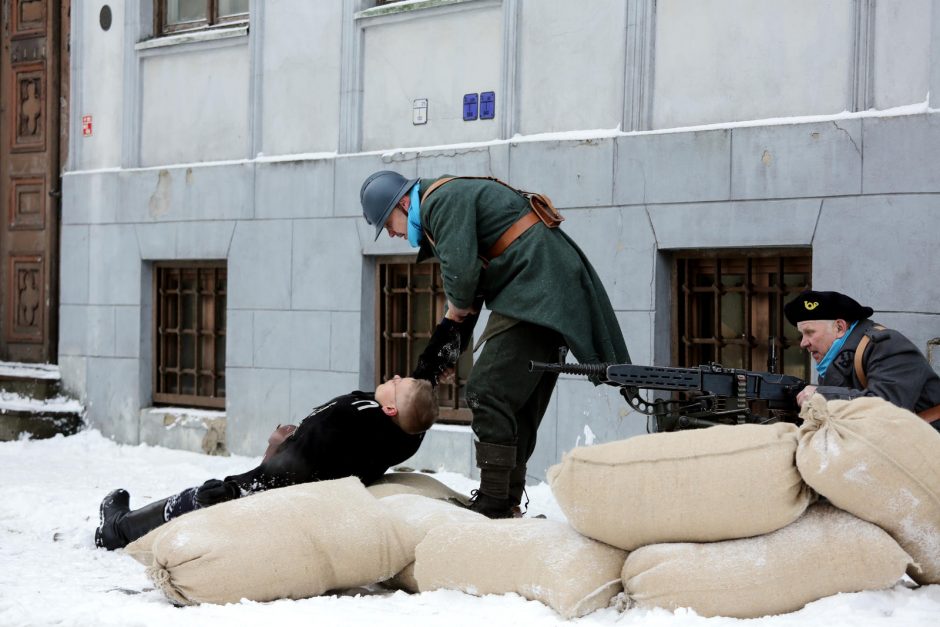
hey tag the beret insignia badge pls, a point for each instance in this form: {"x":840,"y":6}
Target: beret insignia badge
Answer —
{"x":810,"y":306}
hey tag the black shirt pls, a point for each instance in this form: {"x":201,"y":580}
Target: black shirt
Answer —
{"x":348,"y":436}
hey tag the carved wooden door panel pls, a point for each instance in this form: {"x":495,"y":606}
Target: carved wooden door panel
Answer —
{"x":31,"y":79}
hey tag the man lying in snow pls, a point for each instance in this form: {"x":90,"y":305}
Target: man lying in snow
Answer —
{"x":358,"y":434}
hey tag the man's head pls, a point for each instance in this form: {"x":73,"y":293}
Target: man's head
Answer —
{"x":410,"y":403}
{"x":822,"y":318}
{"x":380,"y":194}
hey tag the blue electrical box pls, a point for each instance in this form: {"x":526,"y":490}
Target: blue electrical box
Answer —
{"x":469,"y":107}
{"x":488,"y":105}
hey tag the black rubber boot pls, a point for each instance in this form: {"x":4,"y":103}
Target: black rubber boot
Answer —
{"x":119,"y":526}
{"x":495,"y":462}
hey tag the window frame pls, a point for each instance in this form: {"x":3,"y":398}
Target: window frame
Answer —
{"x":217,"y":371}
{"x":800,"y":261}
{"x":452,"y":404}
{"x":212,"y":20}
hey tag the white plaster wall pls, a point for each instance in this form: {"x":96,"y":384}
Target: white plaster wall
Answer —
{"x":901,"y":56}
{"x":571,"y":65}
{"x":436,"y":56}
{"x":194,"y":105}
{"x":300,"y":76}
{"x":730,"y":60}
{"x":99,"y":92}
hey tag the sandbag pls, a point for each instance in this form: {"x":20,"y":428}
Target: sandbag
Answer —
{"x":415,"y":483}
{"x":538,"y":559}
{"x":881,"y":463}
{"x":701,"y":485}
{"x":416,"y":516}
{"x":294,"y":542}
{"x":825,"y":552}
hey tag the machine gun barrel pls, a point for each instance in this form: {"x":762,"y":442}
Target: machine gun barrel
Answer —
{"x":779,"y":390}
{"x":587,"y":370}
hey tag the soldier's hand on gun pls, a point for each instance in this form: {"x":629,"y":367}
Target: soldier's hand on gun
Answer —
{"x":805,"y":394}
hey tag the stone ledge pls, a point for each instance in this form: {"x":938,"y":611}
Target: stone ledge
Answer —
{"x":187,"y":429}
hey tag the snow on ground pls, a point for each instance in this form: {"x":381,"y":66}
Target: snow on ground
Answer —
{"x":52,"y":574}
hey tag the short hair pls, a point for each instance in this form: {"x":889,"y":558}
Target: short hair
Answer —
{"x":421,"y":408}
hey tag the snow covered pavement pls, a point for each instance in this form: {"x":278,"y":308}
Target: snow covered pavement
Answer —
{"x":52,"y":574}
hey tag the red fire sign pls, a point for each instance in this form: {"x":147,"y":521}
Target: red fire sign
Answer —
{"x":86,"y":125}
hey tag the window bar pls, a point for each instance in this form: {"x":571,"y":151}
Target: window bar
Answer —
{"x":179,"y":332}
{"x":409,"y":317}
{"x":716,"y":323}
{"x":687,"y":309}
{"x":748,"y":328}
{"x":387,"y":333}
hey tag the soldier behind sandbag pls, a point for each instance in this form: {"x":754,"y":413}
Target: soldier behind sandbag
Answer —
{"x":857,"y":357}
{"x":496,"y":242}
{"x":359,"y":434}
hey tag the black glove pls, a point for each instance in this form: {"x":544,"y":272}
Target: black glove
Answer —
{"x":215,"y":491}
{"x":448,"y":341}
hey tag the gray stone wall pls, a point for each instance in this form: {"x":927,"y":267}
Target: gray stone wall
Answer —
{"x":283,"y":210}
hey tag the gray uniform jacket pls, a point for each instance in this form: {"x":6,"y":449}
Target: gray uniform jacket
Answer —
{"x":896,"y":371}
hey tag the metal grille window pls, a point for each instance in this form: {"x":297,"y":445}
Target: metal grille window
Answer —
{"x":410,"y":302}
{"x":189,"y":333}
{"x":175,"y":16}
{"x":729,"y":309}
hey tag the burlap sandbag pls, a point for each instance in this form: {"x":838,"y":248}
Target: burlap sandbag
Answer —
{"x":701,"y":485}
{"x":825,"y":552}
{"x":387,"y":485}
{"x":415,"y":483}
{"x":416,"y":516}
{"x":881,"y":463}
{"x":541,"y":560}
{"x":294,"y":543}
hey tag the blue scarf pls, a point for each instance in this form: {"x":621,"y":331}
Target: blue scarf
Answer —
{"x":415,"y":232}
{"x":834,"y":350}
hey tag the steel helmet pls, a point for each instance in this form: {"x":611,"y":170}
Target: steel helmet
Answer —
{"x":379,"y":195}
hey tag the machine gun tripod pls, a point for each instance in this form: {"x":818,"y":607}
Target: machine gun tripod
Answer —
{"x":717,"y":395}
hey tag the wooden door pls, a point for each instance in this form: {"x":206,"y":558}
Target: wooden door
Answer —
{"x":33,"y":135}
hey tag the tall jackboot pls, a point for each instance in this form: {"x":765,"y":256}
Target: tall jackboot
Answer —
{"x":119,"y":526}
{"x":495,"y":462}
{"x":517,"y":490}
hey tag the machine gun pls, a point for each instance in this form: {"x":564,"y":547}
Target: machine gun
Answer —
{"x":716,"y":395}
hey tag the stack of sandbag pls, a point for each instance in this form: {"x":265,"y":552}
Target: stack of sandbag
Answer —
{"x":416,"y":515}
{"x":294,"y":542}
{"x":825,"y":552}
{"x":540,"y":560}
{"x":415,"y":483}
{"x":704,"y":485}
{"x":882,"y":464}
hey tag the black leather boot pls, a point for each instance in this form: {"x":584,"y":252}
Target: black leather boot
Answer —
{"x":119,"y":526}
{"x":495,"y":462}
{"x":517,"y":490}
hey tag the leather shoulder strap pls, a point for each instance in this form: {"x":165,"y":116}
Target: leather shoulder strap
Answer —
{"x":447,"y":179}
{"x":860,"y":353}
{"x":435,"y":185}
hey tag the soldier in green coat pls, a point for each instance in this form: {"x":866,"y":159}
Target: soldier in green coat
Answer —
{"x":541,"y":290}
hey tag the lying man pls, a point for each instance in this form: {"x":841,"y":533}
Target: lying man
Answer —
{"x":358,"y":434}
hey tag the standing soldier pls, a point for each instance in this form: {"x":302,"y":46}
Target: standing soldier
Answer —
{"x":857,"y":357}
{"x":497,"y":246}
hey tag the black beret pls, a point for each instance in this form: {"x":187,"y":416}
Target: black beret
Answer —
{"x":811,"y":305}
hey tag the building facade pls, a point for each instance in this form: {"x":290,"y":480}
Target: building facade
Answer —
{"x":712,"y":157}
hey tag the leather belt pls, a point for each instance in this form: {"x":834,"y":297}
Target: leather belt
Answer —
{"x":931,"y":414}
{"x":511,"y":234}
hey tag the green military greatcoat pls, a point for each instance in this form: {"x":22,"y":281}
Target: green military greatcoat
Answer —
{"x":542,"y":278}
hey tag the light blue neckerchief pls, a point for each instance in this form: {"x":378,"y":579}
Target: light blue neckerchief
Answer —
{"x":822,"y":366}
{"x":415,"y":232}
